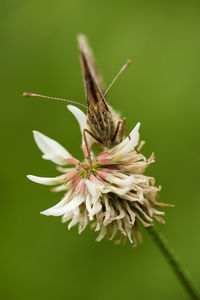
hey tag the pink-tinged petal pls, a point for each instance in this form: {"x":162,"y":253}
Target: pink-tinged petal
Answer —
{"x":109,"y":171}
{"x":100,"y":179}
{"x":85,"y":152}
{"x":71,"y":175}
{"x":105,"y":157}
{"x":102,"y":174}
{"x":90,"y":141}
{"x":47,"y":180}
{"x":72,"y":161}
{"x":102,"y":154}
{"x":92,"y":177}
{"x":52,"y":150}
{"x":76,"y":180}
{"x":104,"y":161}
{"x":97,"y":179}
{"x":80,"y":187}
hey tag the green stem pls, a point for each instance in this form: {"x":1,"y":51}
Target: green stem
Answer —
{"x":174,"y":263}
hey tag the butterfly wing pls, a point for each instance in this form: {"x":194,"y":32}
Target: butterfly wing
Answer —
{"x":88,"y":54}
{"x":99,"y":117}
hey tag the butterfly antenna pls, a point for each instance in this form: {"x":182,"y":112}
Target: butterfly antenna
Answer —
{"x":52,"y":98}
{"x":116,"y":77}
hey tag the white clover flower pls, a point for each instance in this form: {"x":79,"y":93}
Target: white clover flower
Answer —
{"x":114,"y":197}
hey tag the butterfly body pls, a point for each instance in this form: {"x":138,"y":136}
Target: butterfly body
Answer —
{"x":102,"y":124}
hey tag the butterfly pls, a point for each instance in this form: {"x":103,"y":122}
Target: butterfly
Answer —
{"x":103,"y":123}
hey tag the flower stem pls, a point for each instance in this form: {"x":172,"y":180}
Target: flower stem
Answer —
{"x":174,"y":262}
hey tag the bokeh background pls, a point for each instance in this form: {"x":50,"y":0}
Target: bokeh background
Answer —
{"x":40,"y":258}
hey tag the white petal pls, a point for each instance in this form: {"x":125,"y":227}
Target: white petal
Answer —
{"x":83,"y":222}
{"x":131,"y":212}
{"x":79,"y":115}
{"x":128,"y":144}
{"x":134,"y":135}
{"x":114,"y":231}
{"x":101,"y":234}
{"x":69,"y":207}
{"x":52,"y":150}
{"x":93,"y":190}
{"x":75,"y":219}
{"x":121,"y":212}
{"x":47,"y":180}
{"x":120,"y":182}
{"x":107,"y":210}
{"x":98,"y":226}
{"x":120,"y":227}
{"x":88,"y":203}
{"x":119,"y":191}
{"x":66,"y":217}
{"x":59,"y":188}
{"x":55,"y":210}
{"x":73,"y":204}
{"x":81,"y":118}
{"x":96,"y":208}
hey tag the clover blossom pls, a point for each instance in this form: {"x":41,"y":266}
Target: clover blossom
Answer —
{"x":114,"y":196}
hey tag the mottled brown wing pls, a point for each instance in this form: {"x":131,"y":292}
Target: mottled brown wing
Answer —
{"x":91,"y":77}
{"x":88,"y":54}
{"x":99,"y":116}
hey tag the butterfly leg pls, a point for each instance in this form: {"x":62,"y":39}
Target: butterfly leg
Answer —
{"x":122,"y":130}
{"x":125,"y":129}
{"x":121,"y":123}
{"x":87,"y":146}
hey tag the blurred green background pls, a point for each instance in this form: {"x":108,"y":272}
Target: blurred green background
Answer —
{"x":40,"y":258}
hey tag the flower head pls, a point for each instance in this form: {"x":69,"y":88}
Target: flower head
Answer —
{"x":114,"y":196}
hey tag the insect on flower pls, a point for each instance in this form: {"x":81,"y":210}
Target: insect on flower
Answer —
{"x":103,"y":124}
{"x":114,"y":198}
